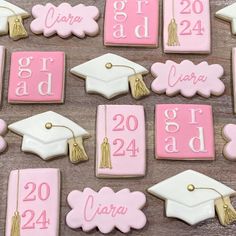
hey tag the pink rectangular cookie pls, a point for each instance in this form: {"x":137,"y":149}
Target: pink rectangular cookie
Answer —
{"x":184,"y":132}
{"x":2,"y":62}
{"x":131,"y":23}
{"x":124,"y":127}
{"x":37,"y":192}
{"x":37,"y":77}
{"x":186,"y":26}
{"x":234,"y":76}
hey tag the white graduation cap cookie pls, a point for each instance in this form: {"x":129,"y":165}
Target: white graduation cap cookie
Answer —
{"x":192,"y":197}
{"x":12,"y":15}
{"x":228,"y":14}
{"x":109,"y":75}
{"x":48,"y":135}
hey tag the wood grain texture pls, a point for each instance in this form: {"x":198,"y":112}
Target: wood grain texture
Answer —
{"x":81,"y":108}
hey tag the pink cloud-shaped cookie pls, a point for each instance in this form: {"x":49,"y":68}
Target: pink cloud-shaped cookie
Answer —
{"x":229,"y":133}
{"x":65,"y":20}
{"x":187,"y":79}
{"x":106,"y":210}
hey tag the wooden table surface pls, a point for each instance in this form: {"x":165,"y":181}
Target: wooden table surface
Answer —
{"x":81,"y":107}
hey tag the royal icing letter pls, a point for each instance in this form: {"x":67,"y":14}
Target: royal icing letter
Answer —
{"x":140,"y":3}
{"x":45,"y":63}
{"x":197,"y":144}
{"x":171,"y":115}
{"x":171,"y":147}
{"x":21,"y":89}
{"x":142,"y":31}
{"x":24,"y":73}
{"x":46,"y":84}
{"x":194,"y":115}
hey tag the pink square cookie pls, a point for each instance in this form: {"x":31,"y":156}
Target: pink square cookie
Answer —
{"x":124,"y":128}
{"x":37,"y":77}
{"x":184,"y":132}
{"x":131,"y":23}
{"x":187,"y":27}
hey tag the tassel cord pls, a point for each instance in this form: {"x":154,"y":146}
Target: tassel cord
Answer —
{"x":230,"y":216}
{"x":9,"y":9}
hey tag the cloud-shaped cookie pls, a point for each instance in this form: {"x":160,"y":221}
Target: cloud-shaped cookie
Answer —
{"x":187,"y":79}
{"x":106,"y":210}
{"x":65,"y":20}
{"x":229,"y":133}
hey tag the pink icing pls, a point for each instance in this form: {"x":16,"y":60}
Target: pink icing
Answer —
{"x":187,"y":78}
{"x":126,"y":133}
{"x":106,"y":210}
{"x":229,"y":133}
{"x":39,"y":201}
{"x":2,"y":62}
{"x":37,"y":77}
{"x":193,"y":20}
{"x":131,"y":22}
{"x":184,"y":132}
{"x":3,"y":131}
{"x":65,"y":20}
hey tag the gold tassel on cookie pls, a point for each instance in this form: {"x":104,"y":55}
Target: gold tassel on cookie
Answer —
{"x":225,"y":211}
{"x":173,"y":39}
{"x":137,"y":85}
{"x":13,"y":16}
{"x":16,"y":28}
{"x":105,"y":161}
{"x":16,"y":219}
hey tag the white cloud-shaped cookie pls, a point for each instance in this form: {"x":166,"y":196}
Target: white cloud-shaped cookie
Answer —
{"x":188,"y":79}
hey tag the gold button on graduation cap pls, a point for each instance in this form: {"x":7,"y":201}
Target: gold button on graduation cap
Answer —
{"x":12,"y":16}
{"x":110,"y":75}
{"x":192,"y":197}
{"x":48,"y":135}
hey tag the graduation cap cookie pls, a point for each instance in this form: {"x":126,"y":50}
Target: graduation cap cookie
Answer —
{"x":193,"y":197}
{"x":48,"y":135}
{"x":11,"y":19}
{"x":228,"y":14}
{"x":109,"y":75}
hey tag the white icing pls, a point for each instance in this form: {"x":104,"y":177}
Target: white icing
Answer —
{"x":43,"y":142}
{"x":107,"y":82}
{"x":192,"y":207}
{"x":197,"y":143}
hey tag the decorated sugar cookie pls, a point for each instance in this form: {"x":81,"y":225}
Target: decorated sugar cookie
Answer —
{"x":228,"y":14}
{"x":48,"y":135}
{"x":187,"y":27}
{"x":230,"y":147}
{"x":2,"y":65}
{"x":110,"y":75}
{"x":11,"y":20}
{"x":3,"y":131}
{"x":184,"y":132}
{"x":188,"y":79}
{"x":33,"y":204}
{"x":131,"y":23}
{"x":106,"y":210}
{"x":194,"y":197}
{"x":65,"y":20}
{"x":121,"y":146}
{"x":234,"y":76}
{"x":37,"y":77}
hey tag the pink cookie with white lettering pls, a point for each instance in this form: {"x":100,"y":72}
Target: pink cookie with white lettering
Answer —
{"x":121,"y":146}
{"x":65,"y":20}
{"x":33,"y":198}
{"x":229,"y":133}
{"x":188,"y":79}
{"x":2,"y":63}
{"x":187,"y":26}
{"x":184,"y":132}
{"x":37,"y":77}
{"x":106,"y":210}
{"x":131,"y":23}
